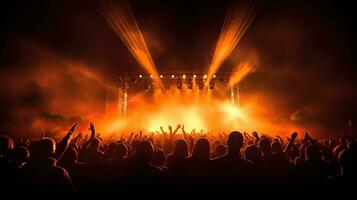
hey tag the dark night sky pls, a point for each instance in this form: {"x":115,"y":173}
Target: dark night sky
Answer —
{"x":306,"y":50}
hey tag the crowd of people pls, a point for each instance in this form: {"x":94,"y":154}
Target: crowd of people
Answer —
{"x":171,"y":161}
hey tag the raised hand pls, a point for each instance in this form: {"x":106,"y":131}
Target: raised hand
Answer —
{"x":91,"y":126}
{"x":183,"y":129}
{"x":307,"y":136}
{"x":291,"y":141}
{"x":92,"y":131}
{"x":246,"y":135}
{"x":255,"y":134}
{"x":177,"y":128}
{"x":77,"y":138}
{"x":62,"y":146}
{"x":162,"y":130}
{"x":73,"y":128}
{"x":131,"y":135}
{"x":294,"y":135}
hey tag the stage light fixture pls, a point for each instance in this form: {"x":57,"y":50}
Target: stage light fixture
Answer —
{"x":211,"y":85}
{"x":179,"y":84}
{"x":161,"y":76}
{"x":133,"y":80}
{"x":214,"y":76}
{"x":205,"y":76}
{"x":184,"y":76}
{"x":189,"y":84}
{"x":151,"y":76}
{"x":172,"y":76}
{"x":140,"y":76}
{"x":194,"y":76}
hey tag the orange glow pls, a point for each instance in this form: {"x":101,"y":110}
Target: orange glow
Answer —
{"x":239,"y":72}
{"x":207,"y":111}
{"x":236,"y":22}
{"x":122,"y":20}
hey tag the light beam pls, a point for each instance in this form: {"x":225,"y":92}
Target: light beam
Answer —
{"x":236,"y":22}
{"x":123,"y":22}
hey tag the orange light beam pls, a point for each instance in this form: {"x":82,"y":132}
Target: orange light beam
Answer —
{"x":122,"y":20}
{"x":240,"y":72}
{"x":236,"y":22}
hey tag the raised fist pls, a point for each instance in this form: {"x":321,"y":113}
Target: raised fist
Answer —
{"x":294,"y":135}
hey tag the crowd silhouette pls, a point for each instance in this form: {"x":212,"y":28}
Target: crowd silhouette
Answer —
{"x":171,"y":161}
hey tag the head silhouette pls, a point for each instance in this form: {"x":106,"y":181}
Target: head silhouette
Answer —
{"x":121,"y":150}
{"x":347,"y":161}
{"x":45,"y":147}
{"x":253,"y":154}
{"x":70,"y":156}
{"x":276,"y":147}
{"x":6,"y":145}
{"x":159,"y":157}
{"x":144,"y":151}
{"x":235,"y":142}
{"x":110,"y":151}
{"x":265,"y":147}
{"x":337,"y":149}
{"x":201,"y":149}
{"x":20,"y":155}
{"x":181,"y":149}
{"x":312,"y":153}
{"x":95,"y":144}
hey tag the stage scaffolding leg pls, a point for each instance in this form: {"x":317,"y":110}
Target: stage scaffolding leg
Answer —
{"x":122,"y":103}
{"x":235,"y":96}
{"x":110,"y":105}
{"x":125,"y":103}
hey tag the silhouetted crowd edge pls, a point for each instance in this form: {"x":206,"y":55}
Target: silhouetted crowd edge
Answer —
{"x":169,"y":161}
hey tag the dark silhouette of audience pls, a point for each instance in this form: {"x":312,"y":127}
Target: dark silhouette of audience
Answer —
{"x":41,"y":174}
{"x":148,"y":162}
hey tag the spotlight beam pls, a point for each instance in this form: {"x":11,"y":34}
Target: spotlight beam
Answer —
{"x":122,"y":20}
{"x":240,"y":72}
{"x":236,"y":22}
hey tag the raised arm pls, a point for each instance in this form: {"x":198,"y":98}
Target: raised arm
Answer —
{"x":77,"y":138}
{"x":92,"y":132}
{"x":291,"y":141}
{"x":140,"y":135}
{"x":309,"y":139}
{"x":62,"y":146}
{"x":177,"y":128}
{"x":131,"y":136}
{"x":257,"y":138}
{"x":184,"y":132}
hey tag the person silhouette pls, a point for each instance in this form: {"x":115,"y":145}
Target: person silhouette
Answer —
{"x":198,"y":165}
{"x":141,"y":172}
{"x":41,"y":175}
{"x":231,"y":168}
{"x":176,"y":163}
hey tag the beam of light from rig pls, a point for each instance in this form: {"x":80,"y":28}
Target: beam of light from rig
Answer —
{"x":122,"y":20}
{"x":236,"y":22}
{"x":240,"y":72}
